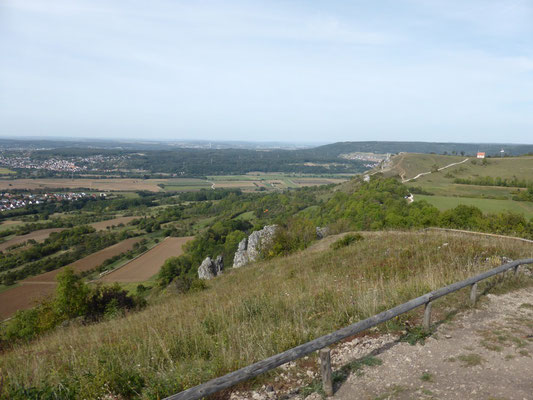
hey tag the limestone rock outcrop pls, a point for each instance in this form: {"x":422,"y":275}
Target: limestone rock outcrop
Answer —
{"x":322,"y":232}
{"x":250,"y":248}
{"x":210,"y":268}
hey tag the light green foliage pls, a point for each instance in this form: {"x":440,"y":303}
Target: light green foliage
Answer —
{"x":297,"y":234}
{"x":71,"y":294}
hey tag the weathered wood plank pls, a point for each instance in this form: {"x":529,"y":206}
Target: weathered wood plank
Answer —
{"x":325,"y":368}
{"x":473,"y":294}
{"x":427,"y":316}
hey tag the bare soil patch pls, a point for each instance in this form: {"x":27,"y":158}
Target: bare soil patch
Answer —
{"x":111,"y":222}
{"x":38,"y":236}
{"x":148,"y":264}
{"x":23,"y":297}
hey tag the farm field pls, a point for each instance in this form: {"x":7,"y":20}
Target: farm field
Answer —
{"x":38,"y":287}
{"x":253,"y":181}
{"x":38,"y":236}
{"x":9,"y":224}
{"x":453,"y":189}
{"x":90,"y":184}
{"x":23,"y":297}
{"x":86,"y":263}
{"x":148,"y":264}
{"x":5,"y":171}
{"x":244,"y":182}
{"x":485,"y":205}
{"x":111,"y":222}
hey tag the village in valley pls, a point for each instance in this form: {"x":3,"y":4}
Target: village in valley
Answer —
{"x":12,"y":201}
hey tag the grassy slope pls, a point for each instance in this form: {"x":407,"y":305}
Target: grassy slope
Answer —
{"x":187,"y":339}
{"x":485,"y":205}
{"x":449,"y":194}
{"x":521,"y":167}
{"x":409,"y":165}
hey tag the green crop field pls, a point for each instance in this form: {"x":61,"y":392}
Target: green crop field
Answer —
{"x":486,"y":205}
{"x":5,"y":171}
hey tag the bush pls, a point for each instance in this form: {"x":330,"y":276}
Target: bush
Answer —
{"x":346,"y":240}
{"x":297,"y":235}
{"x":110,"y":301}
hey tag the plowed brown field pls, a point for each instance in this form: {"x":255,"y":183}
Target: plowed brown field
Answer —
{"x":38,"y":236}
{"x":40,"y":286}
{"x":23,"y":297}
{"x":149,"y":264}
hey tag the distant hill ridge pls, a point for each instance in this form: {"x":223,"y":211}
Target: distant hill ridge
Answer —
{"x":334,"y":149}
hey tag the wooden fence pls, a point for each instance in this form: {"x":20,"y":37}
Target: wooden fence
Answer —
{"x":226,"y":381}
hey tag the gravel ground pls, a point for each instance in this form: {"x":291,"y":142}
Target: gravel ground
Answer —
{"x":484,"y":353}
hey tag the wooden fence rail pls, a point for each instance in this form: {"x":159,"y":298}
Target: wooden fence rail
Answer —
{"x":253,"y":370}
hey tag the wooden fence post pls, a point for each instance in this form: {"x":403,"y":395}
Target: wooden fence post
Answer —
{"x":473,"y":294}
{"x":427,"y":316}
{"x":325,"y":368}
{"x":516,"y":269}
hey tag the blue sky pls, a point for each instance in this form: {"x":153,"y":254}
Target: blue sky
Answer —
{"x":299,"y":71}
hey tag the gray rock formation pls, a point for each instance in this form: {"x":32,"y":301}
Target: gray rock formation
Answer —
{"x":322,"y":232}
{"x":219,"y":265}
{"x":210,"y":268}
{"x":250,"y":248}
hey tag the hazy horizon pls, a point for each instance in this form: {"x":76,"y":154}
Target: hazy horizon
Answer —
{"x":291,"y":72}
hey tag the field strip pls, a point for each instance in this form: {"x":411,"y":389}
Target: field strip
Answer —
{"x":86,"y":263}
{"x":107,"y":272}
{"x":36,"y":288}
{"x":23,"y":297}
{"x":39,"y":236}
{"x":144,"y":267}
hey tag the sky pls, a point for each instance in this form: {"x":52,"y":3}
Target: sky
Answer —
{"x":293,"y":71}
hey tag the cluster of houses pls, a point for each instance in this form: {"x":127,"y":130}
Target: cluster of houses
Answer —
{"x":52,"y":164}
{"x":10,"y":201}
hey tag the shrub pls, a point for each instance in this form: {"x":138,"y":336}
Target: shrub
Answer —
{"x":346,"y":240}
{"x":109,"y":301}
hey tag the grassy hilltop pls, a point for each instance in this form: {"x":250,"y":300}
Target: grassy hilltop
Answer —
{"x":494,"y":184}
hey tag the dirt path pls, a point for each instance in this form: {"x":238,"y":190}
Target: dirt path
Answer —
{"x":486,"y":353}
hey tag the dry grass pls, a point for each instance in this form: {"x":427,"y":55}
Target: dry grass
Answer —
{"x":247,"y":315}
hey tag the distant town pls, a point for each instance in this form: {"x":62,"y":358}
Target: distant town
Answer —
{"x":24,"y":160}
{"x":9,"y":201}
